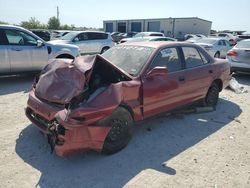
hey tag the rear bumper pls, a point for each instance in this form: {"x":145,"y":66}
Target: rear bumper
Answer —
{"x":238,"y":66}
{"x":67,"y":137}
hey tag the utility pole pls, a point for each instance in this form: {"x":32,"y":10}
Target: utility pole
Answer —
{"x":57,"y":13}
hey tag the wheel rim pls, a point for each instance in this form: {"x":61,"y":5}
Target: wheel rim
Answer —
{"x":117,"y":130}
{"x":212,"y":96}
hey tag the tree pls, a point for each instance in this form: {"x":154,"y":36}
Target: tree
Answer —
{"x":33,"y":23}
{"x":53,"y":23}
{"x":1,"y":22}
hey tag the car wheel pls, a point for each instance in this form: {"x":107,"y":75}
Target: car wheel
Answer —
{"x":104,"y":49}
{"x":121,"y":131}
{"x":212,"y":96}
{"x":217,"y":55}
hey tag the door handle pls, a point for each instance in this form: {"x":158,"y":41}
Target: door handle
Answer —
{"x":181,"y":78}
{"x":210,"y":71}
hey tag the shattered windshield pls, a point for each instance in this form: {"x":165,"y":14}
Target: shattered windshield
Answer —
{"x":131,"y":59}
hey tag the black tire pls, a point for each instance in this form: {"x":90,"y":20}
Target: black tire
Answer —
{"x":104,"y":49}
{"x":212,"y":96}
{"x":121,"y":132}
{"x":217,"y":55}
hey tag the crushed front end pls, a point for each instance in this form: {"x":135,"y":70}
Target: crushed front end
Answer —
{"x":68,"y":103}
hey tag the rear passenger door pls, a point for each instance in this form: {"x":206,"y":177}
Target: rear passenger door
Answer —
{"x":198,"y":73}
{"x":97,"y":41}
{"x":82,"y":41}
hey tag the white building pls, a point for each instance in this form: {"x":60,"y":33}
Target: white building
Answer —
{"x":172,"y":27}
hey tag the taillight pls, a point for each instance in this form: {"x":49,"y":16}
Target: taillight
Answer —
{"x":232,"y":53}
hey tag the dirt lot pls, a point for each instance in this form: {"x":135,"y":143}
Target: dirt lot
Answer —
{"x":192,"y":150}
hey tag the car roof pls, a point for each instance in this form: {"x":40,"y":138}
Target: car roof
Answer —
{"x":158,"y":44}
{"x":10,"y":27}
{"x":89,"y":31}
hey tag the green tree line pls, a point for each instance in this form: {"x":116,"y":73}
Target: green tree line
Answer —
{"x":53,"y":23}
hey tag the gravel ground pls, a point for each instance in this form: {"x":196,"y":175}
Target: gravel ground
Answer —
{"x":190,"y":150}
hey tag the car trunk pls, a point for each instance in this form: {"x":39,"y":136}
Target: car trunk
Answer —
{"x":66,"y":81}
{"x":243,"y":55}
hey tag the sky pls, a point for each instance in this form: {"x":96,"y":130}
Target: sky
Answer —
{"x":224,"y":14}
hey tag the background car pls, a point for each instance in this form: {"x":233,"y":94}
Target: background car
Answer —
{"x":22,"y":51}
{"x":242,"y":37}
{"x":216,"y":47}
{"x":42,"y":33}
{"x":239,"y":56}
{"x":89,"y":42}
{"x":152,"y":38}
{"x":55,"y":35}
{"x":230,"y":37}
{"x":142,"y":35}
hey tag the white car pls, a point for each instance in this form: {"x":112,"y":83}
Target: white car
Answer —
{"x":239,"y":56}
{"x":89,"y":42}
{"x":152,"y":38}
{"x":142,"y":35}
{"x":216,"y":47}
{"x":231,"y":38}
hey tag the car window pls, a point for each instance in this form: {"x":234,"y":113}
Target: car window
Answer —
{"x":3,"y":38}
{"x":20,"y":38}
{"x":192,"y":57}
{"x":169,"y":58}
{"x":156,"y":34}
{"x":219,"y":43}
{"x":223,"y":43}
{"x":97,"y":36}
{"x":227,"y":43}
{"x":203,"y":57}
{"x":81,"y":37}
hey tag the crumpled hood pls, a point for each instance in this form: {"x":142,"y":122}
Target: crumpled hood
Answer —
{"x":63,"y":79}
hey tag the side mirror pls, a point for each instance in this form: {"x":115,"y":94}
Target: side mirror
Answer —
{"x":157,"y":71}
{"x":76,"y":39}
{"x":39,"y":43}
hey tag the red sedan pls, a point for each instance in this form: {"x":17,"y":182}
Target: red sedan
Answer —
{"x":92,"y":102}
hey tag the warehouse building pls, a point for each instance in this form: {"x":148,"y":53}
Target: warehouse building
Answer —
{"x":171,"y":27}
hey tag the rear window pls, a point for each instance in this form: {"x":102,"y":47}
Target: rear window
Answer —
{"x":192,"y":57}
{"x":243,"y":44}
{"x":222,"y":35}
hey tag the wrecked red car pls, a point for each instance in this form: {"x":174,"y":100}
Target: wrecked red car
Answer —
{"x":90,"y":103}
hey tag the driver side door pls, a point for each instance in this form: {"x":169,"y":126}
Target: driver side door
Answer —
{"x":164,"y":92}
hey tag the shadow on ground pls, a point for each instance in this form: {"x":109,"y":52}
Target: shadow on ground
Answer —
{"x":242,"y":78}
{"x":154,"y":142}
{"x":14,"y":84}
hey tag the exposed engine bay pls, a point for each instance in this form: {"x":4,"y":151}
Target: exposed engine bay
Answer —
{"x":75,"y":83}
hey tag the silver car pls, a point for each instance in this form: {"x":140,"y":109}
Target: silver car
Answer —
{"x":152,"y":38}
{"x":89,"y":42}
{"x":142,"y":35}
{"x":22,"y":51}
{"x":216,"y":47}
{"x":239,"y":56}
